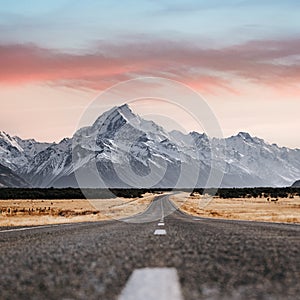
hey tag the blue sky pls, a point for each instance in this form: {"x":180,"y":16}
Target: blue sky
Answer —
{"x":78,"y":24}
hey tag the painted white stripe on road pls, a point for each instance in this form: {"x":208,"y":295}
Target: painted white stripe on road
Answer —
{"x":34,"y":227}
{"x":152,"y":284}
{"x":25,"y":228}
{"x":160,"y":232}
{"x":162,"y":210}
{"x":161,"y":224}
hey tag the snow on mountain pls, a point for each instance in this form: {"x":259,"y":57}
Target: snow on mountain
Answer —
{"x":127,"y":150}
{"x":274,"y":166}
{"x":49,"y":163}
{"x":9,"y":178}
{"x":15,"y":152}
{"x":122,"y":138}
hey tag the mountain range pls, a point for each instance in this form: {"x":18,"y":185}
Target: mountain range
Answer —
{"x":128,"y":151}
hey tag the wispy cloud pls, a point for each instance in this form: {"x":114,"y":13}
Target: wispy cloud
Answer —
{"x":259,"y":62}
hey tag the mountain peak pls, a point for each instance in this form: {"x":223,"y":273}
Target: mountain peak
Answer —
{"x":4,"y":135}
{"x":123,"y":110}
{"x":196,"y":134}
{"x":126,"y":111}
{"x":244,"y":135}
{"x":124,"y":106}
{"x":113,"y":119}
{"x":10,"y":140}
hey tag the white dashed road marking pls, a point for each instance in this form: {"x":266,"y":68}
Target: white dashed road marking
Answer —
{"x":162,"y":210}
{"x":152,"y":284}
{"x":160,"y":232}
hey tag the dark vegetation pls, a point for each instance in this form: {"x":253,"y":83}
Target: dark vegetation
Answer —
{"x":71,"y":193}
{"x":260,"y":192}
{"x":75,"y":193}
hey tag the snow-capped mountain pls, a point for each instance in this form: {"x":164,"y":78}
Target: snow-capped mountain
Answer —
{"x":48,"y":164}
{"x":127,"y":150}
{"x":9,"y":178}
{"x":274,"y":165}
{"x":16,"y":153}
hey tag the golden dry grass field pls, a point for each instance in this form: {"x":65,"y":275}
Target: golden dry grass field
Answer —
{"x":41,"y":212}
{"x":286,"y":210}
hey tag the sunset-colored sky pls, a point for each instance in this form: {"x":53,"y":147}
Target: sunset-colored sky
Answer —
{"x":243,"y":56}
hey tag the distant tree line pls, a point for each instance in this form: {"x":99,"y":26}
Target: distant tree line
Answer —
{"x":40,"y":193}
{"x":76,"y":193}
{"x":72,"y":193}
{"x":257,"y":192}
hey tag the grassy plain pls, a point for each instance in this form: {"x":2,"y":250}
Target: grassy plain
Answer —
{"x":41,"y":212}
{"x":286,"y":210}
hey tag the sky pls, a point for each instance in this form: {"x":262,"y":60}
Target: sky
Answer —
{"x":242,"y":56}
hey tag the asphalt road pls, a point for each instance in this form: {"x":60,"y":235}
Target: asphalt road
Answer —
{"x":214,"y":259}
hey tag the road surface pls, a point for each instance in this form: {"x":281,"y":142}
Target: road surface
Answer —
{"x":192,"y":258}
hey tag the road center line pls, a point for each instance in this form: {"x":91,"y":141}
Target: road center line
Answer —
{"x":152,"y":284}
{"x":160,"y":232}
{"x":162,"y":210}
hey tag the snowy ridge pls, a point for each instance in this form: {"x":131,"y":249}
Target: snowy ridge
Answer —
{"x":16,"y":153}
{"x":119,"y":140}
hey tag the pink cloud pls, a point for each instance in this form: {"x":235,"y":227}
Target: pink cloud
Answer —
{"x":204,"y":69}
{"x":28,"y":63}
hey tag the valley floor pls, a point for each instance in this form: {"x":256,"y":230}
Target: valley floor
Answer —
{"x":283,"y":210}
{"x":43,"y":212}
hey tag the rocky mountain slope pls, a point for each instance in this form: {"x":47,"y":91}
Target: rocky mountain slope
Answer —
{"x":16,"y":153}
{"x":9,"y":179}
{"x":127,"y":150}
